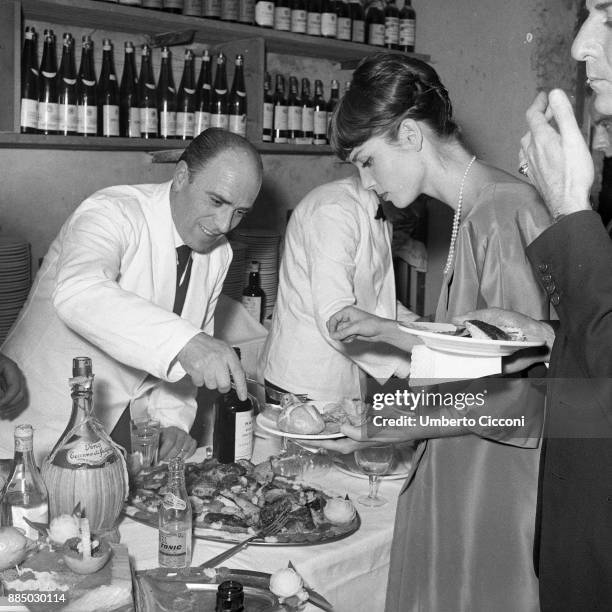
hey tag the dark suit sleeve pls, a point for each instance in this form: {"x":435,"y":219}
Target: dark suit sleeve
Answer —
{"x":573,"y":259}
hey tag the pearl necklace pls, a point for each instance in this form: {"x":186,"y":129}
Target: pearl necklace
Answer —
{"x":457,"y":220}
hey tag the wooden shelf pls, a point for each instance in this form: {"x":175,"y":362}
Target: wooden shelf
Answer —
{"x":117,"y":17}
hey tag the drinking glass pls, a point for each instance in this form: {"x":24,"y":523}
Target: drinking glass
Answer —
{"x":145,"y":442}
{"x":374,"y":461}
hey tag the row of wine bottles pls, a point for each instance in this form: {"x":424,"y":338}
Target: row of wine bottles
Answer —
{"x":297,"y":118}
{"x":383,"y":25}
{"x":68,"y":102}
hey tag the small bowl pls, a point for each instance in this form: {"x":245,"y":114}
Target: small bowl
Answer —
{"x":74,"y":559}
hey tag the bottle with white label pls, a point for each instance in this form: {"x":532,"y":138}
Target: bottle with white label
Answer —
{"x":391,"y":25}
{"x":219,"y":117}
{"x":203,"y":95}
{"x":282,"y":15}
{"x":268,"y":110}
{"x":375,"y":24}
{"x":108,"y":94}
{"x":294,"y":103}
{"x":253,"y":296}
{"x":313,"y":18}
{"x":87,"y":107}
{"x":24,"y":495}
{"x":186,"y":99}
{"x":67,"y":90}
{"x":307,"y":113}
{"x":298,"y":16}
{"x":48,"y":108}
{"x":344,"y":20}
{"x":407,"y":27}
{"x":246,"y":11}
{"x":129,"y":111}
{"x":175,"y":521}
{"x":147,"y":96}
{"x":329,"y":19}
{"x":357,"y":21}
{"x":264,"y":13}
{"x":281,"y":112}
{"x":320,"y":115}
{"x":229,"y":10}
{"x":233,"y":431}
{"x":29,"y":83}
{"x":166,"y":97}
{"x":237,"y":105}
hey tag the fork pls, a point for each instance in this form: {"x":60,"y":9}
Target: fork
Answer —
{"x":274,"y":527}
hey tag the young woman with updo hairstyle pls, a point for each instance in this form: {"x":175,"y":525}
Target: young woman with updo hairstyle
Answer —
{"x":464,"y":529}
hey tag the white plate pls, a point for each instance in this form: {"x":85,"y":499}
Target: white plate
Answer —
{"x":270,"y":426}
{"x":462,"y":345}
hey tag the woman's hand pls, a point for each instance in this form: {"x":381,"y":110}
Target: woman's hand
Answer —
{"x":352,"y":323}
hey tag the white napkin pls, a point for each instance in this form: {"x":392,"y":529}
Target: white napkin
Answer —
{"x":432,"y":367}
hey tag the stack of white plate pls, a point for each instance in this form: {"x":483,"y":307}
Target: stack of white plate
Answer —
{"x":263,"y":246}
{"x":234,"y":281}
{"x":15,"y":279}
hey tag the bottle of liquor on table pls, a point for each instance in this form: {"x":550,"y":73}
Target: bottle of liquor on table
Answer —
{"x":166,"y":97}
{"x":186,"y":100}
{"x":357,"y":21}
{"x":29,"y":83}
{"x":24,"y":495}
{"x":230,"y":597}
{"x":375,"y":24}
{"x":320,"y":115}
{"x":343,"y":24}
{"x":48,"y":109}
{"x":147,"y":96}
{"x":313,"y":18}
{"x":233,"y":430}
{"x":295,"y":111}
{"x":238,"y":100}
{"x":67,"y":89}
{"x":253,"y":296}
{"x":329,"y":19}
{"x":298,"y":16}
{"x":307,"y":113}
{"x":203,"y":95}
{"x":281,"y":112}
{"x":87,"y":107}
{"x":229,"y":10}
{"x":268,"y":110}
{"x":246,"y":11}
{"x":108,"y":94}
{"x":175,"y":521}
{"x":219,"y":117}
{"x":282,"y":15}
{"x":407,"y":27}
{"x":129,"y":111}
{"x":391,"y":25}
{"x":264,"y":13}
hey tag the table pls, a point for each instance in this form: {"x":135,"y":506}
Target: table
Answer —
{"x":351,"y":573}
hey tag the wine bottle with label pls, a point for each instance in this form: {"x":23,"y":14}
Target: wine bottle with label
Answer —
{"x":186,"y":99}
{"x":129,"y":111}
{"x":147,"y":96}
{"x":281,"y":112}
{"x":166,"y":97}
{"x":329,"y":18}
{"x":203,"y":95}
{"x":307,"y":113}
{"x":264,"y":13}
{"x":246,"y":11}
{"x":313,"y":18}
{"x":219,"y":117}
{"x":67,"y":89}
{"x":375,"y":25}
{"x":295,"y":111}
{"x":407,"y":27}
{"x":253,"y":296}
{"x":87,"y":111}
{"x":24,"y":494}
{"x":391,"y":25}
{"x":299,"y":16}
{"x":320,"y":115}
{"x":48,"y":108}
{"x":238,"y":100}
{"x":282,"y":15}
{"x":268,"y":110}
{"x":108,"y":94}
{"x":357,"y":21}
{"x":29,"y":83}
{"x":229,"y":10}
{"x":344,"y":20}
{"x":334,"y":97}
{"x":211,"y":9}
{"x":192,"y":8}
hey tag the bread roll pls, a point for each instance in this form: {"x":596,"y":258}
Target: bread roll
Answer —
{"x":300,"y":419}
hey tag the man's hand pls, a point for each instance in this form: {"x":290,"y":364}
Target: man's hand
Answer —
{"x":560,"y":165}
{"x":352,"y":323}
{"x":12,"y":387}
{"x":211,"y":362}
{"x":175,"y":442}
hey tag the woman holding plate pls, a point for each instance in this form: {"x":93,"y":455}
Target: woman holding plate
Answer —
{"x":465,"y":520}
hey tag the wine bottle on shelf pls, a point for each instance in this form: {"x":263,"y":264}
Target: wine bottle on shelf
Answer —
{"x":391,"y":25}
{"x":147,"y":96}
{"x":229,"y":10}
{"x":87,"y":107}
{"x":320,"y":115}
{"x":307,"y":113}
{"x":29,"y":83}
{"x":129,"y":111}
{"x":156,"y":5}
{"x":203,"y":95}
{"x":313,"y":17}
{"x":253,"y":296}
{"x":268,"y":110}
{"x":192,"y":8}
{"x":67,"y":89}
{"x":282,"y":15}
{"x":334,"y":96}
{"x":108,"y":94}
{"x":24,"y":494}
{"x":211,"y":9}
{"x":294,"y":111}
{"x":173,"y":6}
{"x":186,"y":99}
{"x":48,"y":109}
{"x":357,"y":21}
{"x":375,"y":25}
{"x":166,"y":97}
{"x":264,"y":13}
{"x":407,"y":27}
{"x":298,"y":16}
{"x":343,"y":23}
{"x":246,"y":11}
{"x":238,"y":100}
{"x":281,"y":112}
{"x":329,"y":19}
{"x":218,"y":103}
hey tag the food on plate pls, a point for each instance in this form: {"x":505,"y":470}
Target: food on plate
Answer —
{"x":286,"y":583}
{"x":63,"y":527}
{"x":352,"y":411}
{"x":486,"y":331}
{"x":13,"y":547}
{"x":299,"y":417}
{"x":339,"y":511}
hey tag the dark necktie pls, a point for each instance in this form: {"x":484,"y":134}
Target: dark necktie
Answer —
{"x":183,"y":272}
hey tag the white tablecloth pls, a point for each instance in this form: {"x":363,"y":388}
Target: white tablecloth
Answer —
{"x":351,"y":573}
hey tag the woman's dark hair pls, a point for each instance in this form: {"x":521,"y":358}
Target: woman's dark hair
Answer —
{"x":386,"y":89}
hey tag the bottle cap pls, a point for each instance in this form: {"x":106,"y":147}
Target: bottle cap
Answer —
{"x":24,"y":431}
{"x":81,"y":366}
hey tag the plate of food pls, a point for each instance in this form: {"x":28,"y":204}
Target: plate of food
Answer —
{"x":233,"y":501}
{"x":475,"y":338}
{"x":399,"y":469}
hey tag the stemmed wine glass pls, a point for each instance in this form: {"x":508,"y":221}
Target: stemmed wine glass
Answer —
{"x":374,"y":461}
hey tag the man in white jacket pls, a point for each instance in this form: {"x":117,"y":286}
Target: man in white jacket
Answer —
{"x":110,"y":288}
